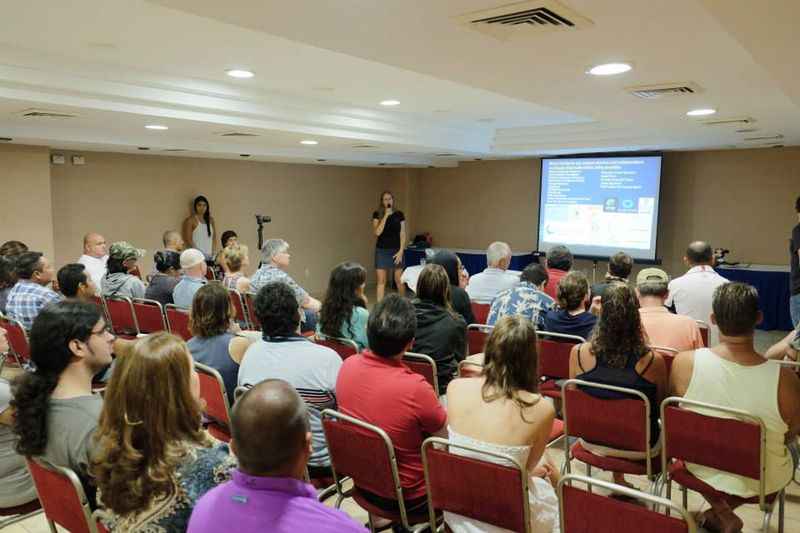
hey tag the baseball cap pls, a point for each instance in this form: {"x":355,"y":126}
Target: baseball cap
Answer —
{"x":124,"y":250}
{"x":651,"y":275}
{"x":191,"y":257}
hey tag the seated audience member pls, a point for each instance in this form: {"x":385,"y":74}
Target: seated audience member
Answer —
{"x":559,"y":262}
{"x":285,"y":354}
{"x":75,"y":282}
{"x":441,"y":332}
{"x":344,"y":310}
{"x":662,"y":327}
{"x":502,"y":412}
{"x":572,"y":317}
{"x":458,"y":296}
{"x":122,"y":258}
{"x":692,"y":293}
{"x":8,"y":278}
{"x":527,"y":299}
{"x":236,"y":260}
{"x":618,"y":355}
{"x":173,"y":241}
{"x":56,"y":411}
{"x":213,"y":343}
{"x":194,"y":267}
{"x":268,"y":491}
{"x":94,"y":257}
{"x":163,"y":282}
{"x":16,"y":485}
{"x":732,"y":374}
{"x":31,"y":292}
{"x":152,"y":459}
{"x":13,"y":248}
{"x":376,"y":387}
{"x":786,"y":348}
{"x":229,"y":239}
{"x":275,"y":260}
{"x":619,"y":268}
{"x":484,"y":286}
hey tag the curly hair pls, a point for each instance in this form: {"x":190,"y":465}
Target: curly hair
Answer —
{"x":341,"y":298}
{"x":277,"y":309}
{"x":54,"y":328}
{"x":618,"y":334}
{"x":149,"y":422}
{"x":511,"y":361}
{"x":212,"y":311}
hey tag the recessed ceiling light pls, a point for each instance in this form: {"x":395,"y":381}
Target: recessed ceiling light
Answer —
{"x":240,"y":73}
{"x":156,"y":127}
{"x":309,"y":141}
{"x":701,"y":112}
{"x":609,"y":69}
{"x":390,"y":102}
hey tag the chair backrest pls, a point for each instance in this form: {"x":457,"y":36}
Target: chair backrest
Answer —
{"x":17,"y":338}
{"x":554,"y":358}
{"x":423,"y":365}
{"x":250,"y":306}
{"x":730,"y":440}
{"x":238,"y":307}
{"x":344,"y":347}
{"x":480,"y":311}
{"x":62,"y":497}
{"x":582,"y":511}
{"x":239,"y":391}
{"x":149,"y":315}
{"x":477,"y":488}
{"x":623,"y":424}
{"x":212,"y":391}
{"x":121,"y":315}
{"x":468,"y":369}
{"x":476,"y":337}
{"x":178,"y":321}
{"x":703,"y":331}
{"x":667,"y":353}
{"x":98,"y":301}
{"x":366,"y":454}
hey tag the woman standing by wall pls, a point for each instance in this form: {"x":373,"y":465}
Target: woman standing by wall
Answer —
{"x":199,"y":229}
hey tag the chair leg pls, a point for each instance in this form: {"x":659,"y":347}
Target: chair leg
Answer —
{"x":52,"y":526}
{"x":685,"y":497}
{"x":767,"y":518}
{"x":589,"y":474}
{"x":781,"y":505}
{"x":371,"y":523}
{"x":668,"y":483}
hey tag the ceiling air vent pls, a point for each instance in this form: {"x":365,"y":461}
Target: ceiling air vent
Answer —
{"x":524,"y":18}
{"x":446,"y":155}
{"x":765,"y":138}
{"x":736,"y":121}
{"x":650,"y":92}
{"x":176,"y":150}
{"x":237,"y":134}
{"x":364,"y":146}
{"x":44,"y":113}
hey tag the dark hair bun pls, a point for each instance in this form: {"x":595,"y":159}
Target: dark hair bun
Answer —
{"x":166,"y":259}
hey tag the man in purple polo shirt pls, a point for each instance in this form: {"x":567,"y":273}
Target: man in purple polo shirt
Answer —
{"x":267,"y":492}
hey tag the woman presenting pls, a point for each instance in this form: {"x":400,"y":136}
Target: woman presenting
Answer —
{"x":199,"y":229}
{"x":390,"y":228}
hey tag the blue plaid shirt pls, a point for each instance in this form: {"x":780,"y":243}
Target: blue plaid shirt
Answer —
{"x":524,"y":299}
{"x":269,"y":273}
{"x":26,"y":299}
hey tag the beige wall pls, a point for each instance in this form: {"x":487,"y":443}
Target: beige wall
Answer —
{"x":324,"y":212}
{"x":27,"y":211}
{"x":738,"y":199}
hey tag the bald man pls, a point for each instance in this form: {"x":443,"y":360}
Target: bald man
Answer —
{"x":268,"y":492}
{"x":692,"y":293}
{"x":173,"y":241}
{"x":95,"y":255}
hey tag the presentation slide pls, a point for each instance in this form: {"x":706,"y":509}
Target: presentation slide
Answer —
{"x":600,"y":206}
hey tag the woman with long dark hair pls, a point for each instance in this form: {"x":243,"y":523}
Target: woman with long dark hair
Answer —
{"x":153,"y":460}
{"x":344,"y":310}
{"x":441,"y":332}
{"x":458,"y":296}
{"x":389,"y":226}
{"x":199,"y":228}
{"x":501,"y":411}
{"x":618,"y":355}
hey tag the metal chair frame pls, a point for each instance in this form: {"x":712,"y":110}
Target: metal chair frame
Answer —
{"x":76,"y":484}
{"x":422,"y":358}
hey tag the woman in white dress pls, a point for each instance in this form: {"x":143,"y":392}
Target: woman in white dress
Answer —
{"x":502,"y":412}
{"x":199,"y":229}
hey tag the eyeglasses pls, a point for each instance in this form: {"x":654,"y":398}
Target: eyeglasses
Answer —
{"x":106,"y":329}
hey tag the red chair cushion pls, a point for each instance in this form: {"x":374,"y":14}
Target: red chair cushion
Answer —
{"x":554,"y":358}
{"x":343,"y":350}
{"x":149,"y":317}
{"x":681,"y":475}
{"x":615,"y":464}
{"x":550,"y":389}
{"x":394,"y":516}
{"x":480,"y":312}
{"x":21,"y":509}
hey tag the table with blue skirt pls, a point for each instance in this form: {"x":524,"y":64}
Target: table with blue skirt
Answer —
{"x":774,"y":290}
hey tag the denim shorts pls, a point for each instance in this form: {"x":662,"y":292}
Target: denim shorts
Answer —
{"x":384,"y":259}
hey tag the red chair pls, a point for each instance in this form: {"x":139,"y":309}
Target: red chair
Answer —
{"x":17,"y":340}
{"x":344,"y":347}
{"x":210,"y":274}
{"x":582,"y":511}
{"x":703,"y":331}
{"x":554,"y":350}
{"x":178,"y":321}
{"x":62,"y":498}
{"x":250,"y":306}
{"x":492,"y":489}
{"x":621,"y":424}
{"x":730,"y":440}
{"x":18,"y":513}
{"x":98,"y":301}
{"x":480,"y":312}
{"x":240,"y":315}
{"x":423,"y":365}
{"x":149,"y":315}
{"x":476,"y":337}
{"x":668,"y":354}
{"x":216,"y":409}
{"x":122,"y":316}
{"x":365,"y":453}
{"x":468,"y":369}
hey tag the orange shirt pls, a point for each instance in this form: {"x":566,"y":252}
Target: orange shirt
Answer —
{"x":673,"y":331}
